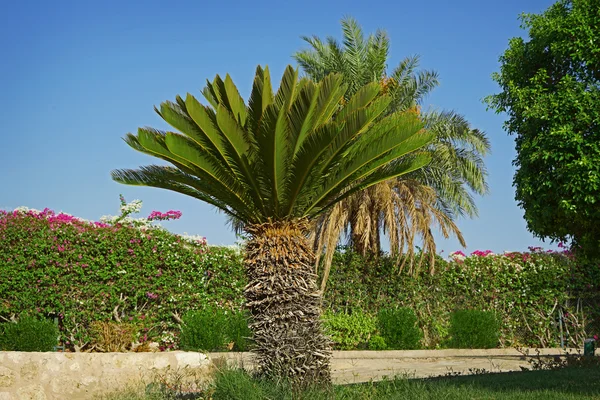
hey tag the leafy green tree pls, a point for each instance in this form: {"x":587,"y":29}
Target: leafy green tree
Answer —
{"x":407,"y":207}
{"x":275,"y":164}
{"x":551,"y":94}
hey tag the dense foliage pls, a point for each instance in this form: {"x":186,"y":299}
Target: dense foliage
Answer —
{"x":81,"y":272}
{"x":350,"y":331}
{"x":28,"y":334}
{"x":54,"y":265}
{"x":473,"y":329}
{"x":215,"y":329}
{"x":399,"y":328}
{"x":551,"y":93}
{"x":530,"y":292}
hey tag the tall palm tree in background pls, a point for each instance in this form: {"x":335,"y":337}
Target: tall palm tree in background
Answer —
{"x":405,"y":208}
{"x":275,"y":164}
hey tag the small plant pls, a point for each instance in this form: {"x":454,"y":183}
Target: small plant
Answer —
{"x":350,"y":331}
{"x":28,"y":334}
{"x":112,"y":336}
{"x":204,"y":330}
{"x":238,"y":333}
{"x":377,"y":343}
{"x":474,"y":329}
{"x":399,"y":328}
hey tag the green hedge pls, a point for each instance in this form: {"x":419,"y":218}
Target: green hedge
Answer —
{"x":58,"y":266}
{"x":525,"y":290}
{"x":28,"y":334}
{"x":399,"y":328}
{"x":473,"y":329}
{"x":54,"y":265}
{"x":350,"y":331}
{"x":215,"y":329}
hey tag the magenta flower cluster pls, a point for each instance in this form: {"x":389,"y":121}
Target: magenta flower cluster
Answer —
{"x":481,"y":253}
{"x":55,"y":220}
{"x":169,"y":215}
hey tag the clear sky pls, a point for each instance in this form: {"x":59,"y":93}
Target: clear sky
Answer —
{"x":75,"y":76}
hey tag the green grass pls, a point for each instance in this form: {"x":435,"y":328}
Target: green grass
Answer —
{"x":563,"y":384}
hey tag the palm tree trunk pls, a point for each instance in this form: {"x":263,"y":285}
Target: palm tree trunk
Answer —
{"x":285,"y":304}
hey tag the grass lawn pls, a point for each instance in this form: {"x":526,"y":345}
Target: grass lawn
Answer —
{"x":563,"y":384}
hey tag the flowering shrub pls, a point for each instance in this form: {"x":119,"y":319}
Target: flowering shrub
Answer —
{"x":133,"y":271}
{"x":457,"y":256}
{"x":56,"y":265}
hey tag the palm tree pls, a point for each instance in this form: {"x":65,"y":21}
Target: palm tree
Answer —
{"x":409,"y":207}
{"x":275,"y":164}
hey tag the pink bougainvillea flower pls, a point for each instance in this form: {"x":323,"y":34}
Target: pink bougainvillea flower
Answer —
{"x":169,"y":215}
{"x":480,"y":253}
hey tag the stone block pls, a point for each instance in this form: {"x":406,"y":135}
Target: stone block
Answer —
{"x":29,"y":371}
{"x":7,"y":377}
{"x":31,"y":392}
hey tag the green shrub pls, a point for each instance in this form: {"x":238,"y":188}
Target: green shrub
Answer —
{"x":399,"y":328}
{"x":28,"y":334}
{"x":238,"y":331}
{"x":215,"y":329}
{"x":349,"y":331}
{"x":377,"y":343}
{"x":473,"y":329}
{"x":204,"y":330}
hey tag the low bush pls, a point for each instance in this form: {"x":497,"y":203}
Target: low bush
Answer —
{"x":204,"y":330}
{"x":215,"y":329}
{"x":399,"y":328}
{"x":377,"y":342}
{"x":238,"y":335}
{"x":350,"y":331}
{"x":28,"y":334}
{"x":474,"y":329}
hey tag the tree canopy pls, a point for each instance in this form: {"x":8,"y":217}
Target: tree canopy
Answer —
{"x":550,"y":86}
{"x":282,"y":156}
{"x":406,"y":209}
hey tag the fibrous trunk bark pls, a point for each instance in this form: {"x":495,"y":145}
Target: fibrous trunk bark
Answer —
{"x":285,"y":304}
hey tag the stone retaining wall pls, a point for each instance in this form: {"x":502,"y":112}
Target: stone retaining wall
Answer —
{"x":54,"y":376}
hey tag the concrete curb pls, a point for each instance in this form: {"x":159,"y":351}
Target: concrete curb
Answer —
{"x":399,"y":354}
{"x":363,"y":366}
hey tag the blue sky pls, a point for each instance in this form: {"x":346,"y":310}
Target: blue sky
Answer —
{"x":76,"y":76}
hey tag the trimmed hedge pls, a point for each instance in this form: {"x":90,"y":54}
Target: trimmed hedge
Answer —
{"x":399,"y":328}
{"x":349,"y":331}
{"x":215,"y":329}
{"x":473,"y":329}
{"x":28,"y":334}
